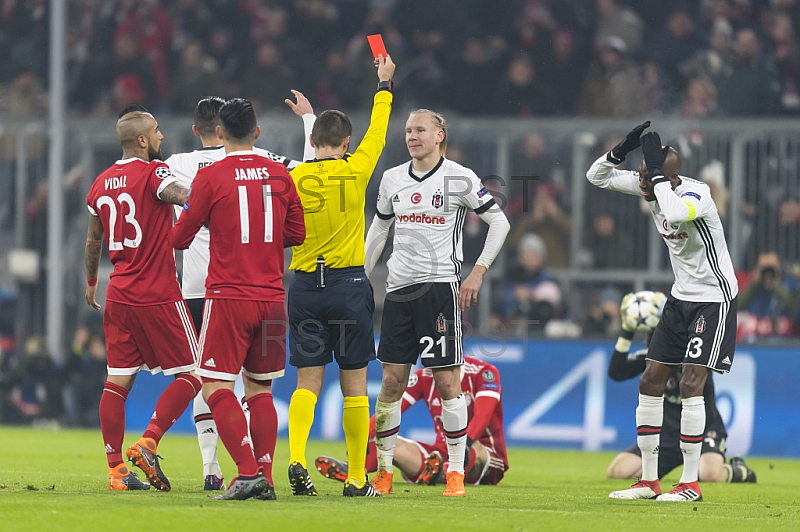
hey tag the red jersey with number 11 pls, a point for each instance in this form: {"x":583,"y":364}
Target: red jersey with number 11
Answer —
{"x":136,"y":224}
{"x":253,"y":212}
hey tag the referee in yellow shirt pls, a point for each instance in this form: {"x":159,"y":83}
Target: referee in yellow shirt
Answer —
{"x":330,"y":300}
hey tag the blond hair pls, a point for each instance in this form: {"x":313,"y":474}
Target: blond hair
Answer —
{"x":438,"y":121}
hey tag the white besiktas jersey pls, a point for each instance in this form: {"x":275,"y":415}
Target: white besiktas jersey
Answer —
{"x":429,"y":213}
{"x":197,"y":257}
{"x":697,"y":248}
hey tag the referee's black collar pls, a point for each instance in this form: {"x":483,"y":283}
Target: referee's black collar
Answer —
{"x":426,"y":176}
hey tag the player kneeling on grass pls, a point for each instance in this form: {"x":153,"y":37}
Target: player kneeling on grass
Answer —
{"x":485,"y":461}
{"x":628,"y":464}
{"x":697,"y":331}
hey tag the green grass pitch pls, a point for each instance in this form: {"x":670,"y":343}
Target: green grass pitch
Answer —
{"x":56,"y":481}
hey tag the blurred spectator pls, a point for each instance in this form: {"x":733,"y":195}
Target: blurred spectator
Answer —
{"x":788,"y":230}
{"x":767,"y":299}
{"x":337,"y":85}
{"x":613,"y":87}
{"x":477,"y":69}
{"x":85,"y":375}
{"x":609,"y":248}
{"x":517,"y":93}
{"x":531,"y":293}
{"x":603,"y":318}
{"x":268,"y":82}
{"x":713,"y":175}
{"x":134,"y":81}
{"x":196,"y":79}
{"x":616,"y":20}
{"x":35,"y":390}
{"x":750,"y":85}
{"x":560,"y":75}
{"x":23,"y":43}
{"x":700,"y":99}
{"x":150,"y":26}
{"x":550,"y":225}
{"x":674,"y":44}
{"x":787,"y":59}
{"x":228,"y":60}
{"x":193,"y":21}
{"x":532,"y":164}
{"x":23,"y":98}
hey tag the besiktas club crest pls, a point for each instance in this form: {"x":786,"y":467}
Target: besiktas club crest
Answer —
{"x":441,"y":324}
{"x":438,"y":199}
{"x":700,"y":325}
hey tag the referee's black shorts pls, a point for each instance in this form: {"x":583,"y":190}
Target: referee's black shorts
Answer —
{"x":335,"y":321}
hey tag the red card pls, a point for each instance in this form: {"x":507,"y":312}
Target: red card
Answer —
{"x":377,"y":46}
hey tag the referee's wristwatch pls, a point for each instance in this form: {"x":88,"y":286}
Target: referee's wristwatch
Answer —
{"x":385,"y":86}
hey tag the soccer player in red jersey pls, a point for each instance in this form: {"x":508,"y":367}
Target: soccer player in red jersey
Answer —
{"x":146,"y":322}
{"x":252,"y":210}
{"x":486,"y":460}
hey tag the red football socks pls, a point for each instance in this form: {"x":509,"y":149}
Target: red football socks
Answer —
{"x":232,"y":428}
{"x":264,"y":431}
{"x":112,"y":421}
{"x":172,"y":403}
{"x":372,"y":457}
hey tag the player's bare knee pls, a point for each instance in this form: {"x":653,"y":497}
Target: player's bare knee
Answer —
{"x":651,"y":385}
{"x":392,"y":387}
{"x":693,"y":381}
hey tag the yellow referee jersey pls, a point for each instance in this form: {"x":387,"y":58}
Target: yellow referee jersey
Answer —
{"x":333,"y":193}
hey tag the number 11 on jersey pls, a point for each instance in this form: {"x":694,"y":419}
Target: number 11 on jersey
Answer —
{"x":244,"y":213}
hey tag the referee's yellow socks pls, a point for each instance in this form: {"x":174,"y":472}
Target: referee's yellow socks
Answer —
{"x":301,"y":417}
{"x":355,"y":422}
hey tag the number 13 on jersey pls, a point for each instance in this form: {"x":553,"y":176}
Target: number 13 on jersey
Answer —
{"x":244,"y":213}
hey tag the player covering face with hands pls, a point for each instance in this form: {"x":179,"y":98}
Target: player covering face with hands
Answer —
{"x":427,"y":199}
{"x":698,"y":326}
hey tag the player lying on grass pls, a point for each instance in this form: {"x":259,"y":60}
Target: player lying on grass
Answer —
{"x":628,"y":463}
{"x":485,"y":460}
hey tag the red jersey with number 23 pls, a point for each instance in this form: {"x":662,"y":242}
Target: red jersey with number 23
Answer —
{"x":253,"y":212}
{"x":136,"y":224}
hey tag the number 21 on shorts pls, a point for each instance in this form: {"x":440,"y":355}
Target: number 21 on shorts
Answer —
{"x":429,"y":343}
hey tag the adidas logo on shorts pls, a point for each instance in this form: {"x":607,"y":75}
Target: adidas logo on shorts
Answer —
{"x":726,"y":360}
{"x":210,"y":363}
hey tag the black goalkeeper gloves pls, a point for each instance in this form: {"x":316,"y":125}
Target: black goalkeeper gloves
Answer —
{"x":630,"y":143}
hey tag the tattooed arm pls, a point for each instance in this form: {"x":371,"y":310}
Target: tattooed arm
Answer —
{"x":94,"y":248}
{"x":174,"y":193}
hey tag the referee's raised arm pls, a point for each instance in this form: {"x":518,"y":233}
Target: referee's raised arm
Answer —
{"x":330,"y":301}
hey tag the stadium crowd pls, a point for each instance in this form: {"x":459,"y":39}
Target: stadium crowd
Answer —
{"x":609,"y":58}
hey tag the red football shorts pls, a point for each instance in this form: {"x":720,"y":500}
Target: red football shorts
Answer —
{"x":153,"y":337}
{"x":240,"y":335}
